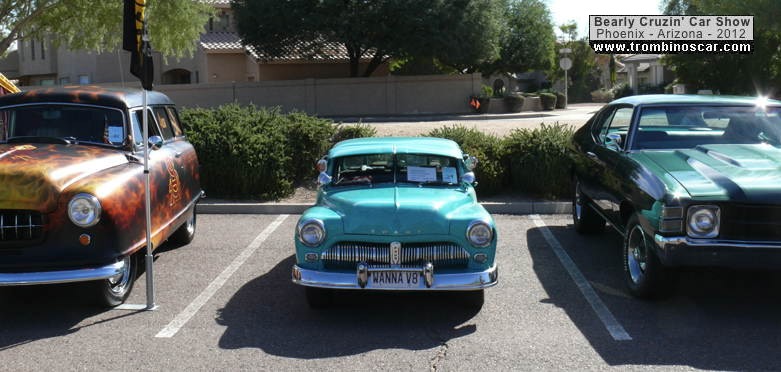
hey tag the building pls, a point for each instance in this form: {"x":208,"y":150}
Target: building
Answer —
{"x":645,"y":70}
{"x":220,"y":57}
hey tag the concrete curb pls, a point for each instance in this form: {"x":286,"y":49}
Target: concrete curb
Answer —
{"x":535,"y":207}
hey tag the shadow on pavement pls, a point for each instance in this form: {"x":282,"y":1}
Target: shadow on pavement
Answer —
{"x":270,"y":313}
{"x":34,"y":313}
{"x":713,"y":319}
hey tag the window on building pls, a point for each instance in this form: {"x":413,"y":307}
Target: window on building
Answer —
{"x":43,"y":50}
{"x":65,"y":80}
{"x":32,"y":49}
{"x":84,"y":79}
{"x":47,"y":82}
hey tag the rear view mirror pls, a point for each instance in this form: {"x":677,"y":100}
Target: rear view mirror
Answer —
{"x":613,"y":140}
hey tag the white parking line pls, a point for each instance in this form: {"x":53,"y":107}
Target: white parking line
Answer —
{"x":183,"y":317}
{"x":608,"y":320}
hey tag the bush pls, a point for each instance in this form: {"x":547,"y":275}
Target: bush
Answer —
{"x":561,"y":100}
{"x":246,"y":152}
{"x":538,"y":160}
{"x":488,"y":150}
{"x":345,"y":132}
{"x":307,"y":139}
{"x":622,"y":90}
{"x":548,"y":101}
{"x":601,"y":95}
{"x":514,"y":102}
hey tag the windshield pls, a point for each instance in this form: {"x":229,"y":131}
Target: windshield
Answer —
{"x":75,"y":123}
{"x":692,"y":126}
{"x":400,"y":168}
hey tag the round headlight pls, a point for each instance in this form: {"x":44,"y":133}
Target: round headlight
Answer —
{"x":479,"y":233}
{"x":311,"y":232}
{"x":84,"y":210}
{"x":703,"y":221}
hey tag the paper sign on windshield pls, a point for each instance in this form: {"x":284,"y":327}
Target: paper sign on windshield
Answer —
{"x":116,"y":134}
{"x":449,"y":175}
{"x":421,"y":174}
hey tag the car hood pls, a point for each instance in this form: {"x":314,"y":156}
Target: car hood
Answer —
{"x":397,"y":210}
{"x":749,"y":173}
{"x":33,"y":175}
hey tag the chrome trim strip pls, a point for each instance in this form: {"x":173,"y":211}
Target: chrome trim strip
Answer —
{"x":441,"y":282}
{"x":63,"y":276}
{"x":661,"y":241}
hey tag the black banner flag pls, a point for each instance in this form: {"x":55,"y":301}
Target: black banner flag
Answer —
{"x":136,"y":41}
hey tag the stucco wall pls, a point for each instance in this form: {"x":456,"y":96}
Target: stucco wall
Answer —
{"x":390,"y":95}
{"x":290,"y":71}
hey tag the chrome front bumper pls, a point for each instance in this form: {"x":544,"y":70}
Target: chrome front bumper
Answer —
{"x":63,"y":276}
{"x":433,"y":282}
{"x":686,"y":251}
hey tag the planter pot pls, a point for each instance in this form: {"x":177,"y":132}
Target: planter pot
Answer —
{"x":561,"y":100}
{"x":548,"y":101}
{"x":513,"y":103}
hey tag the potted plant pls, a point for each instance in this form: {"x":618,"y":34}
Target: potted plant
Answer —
{"x":561,"y":100}
{"x":514,"y":102}
{"x":548,"y":101}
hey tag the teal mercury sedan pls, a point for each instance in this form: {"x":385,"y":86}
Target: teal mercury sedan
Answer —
{"x":396,"y":214}
{"x":687,"y":180}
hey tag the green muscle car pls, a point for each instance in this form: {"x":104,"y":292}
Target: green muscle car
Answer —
{"x":688,"y":181}
{"x":395,"y":214}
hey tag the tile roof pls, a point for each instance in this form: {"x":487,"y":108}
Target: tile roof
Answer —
{"x":642,"y":58}
{"x":231,"y":42}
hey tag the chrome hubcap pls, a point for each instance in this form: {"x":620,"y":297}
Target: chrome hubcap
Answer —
{"x":636,"y":254}
{"x":118,"y":283}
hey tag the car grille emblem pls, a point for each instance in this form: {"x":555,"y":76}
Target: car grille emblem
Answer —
{"x":395,"y":253}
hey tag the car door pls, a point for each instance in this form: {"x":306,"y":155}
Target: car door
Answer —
{"x":163,"y":210}
{"x":183,"y":164}
{"x":606,"y":159}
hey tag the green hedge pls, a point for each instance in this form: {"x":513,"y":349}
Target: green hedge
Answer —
{"x":256,"y":153}
{"x":488,"y":150}
{"x":538,"y":160}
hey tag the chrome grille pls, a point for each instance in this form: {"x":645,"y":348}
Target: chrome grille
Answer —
{"x":348,"y":254}
{"x":20,"y":225}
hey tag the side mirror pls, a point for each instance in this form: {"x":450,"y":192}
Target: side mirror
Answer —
{"x":470,"y":162}
{"x":155,"y":142}
{"x":469,"y":177}
{"x":613,"y":140}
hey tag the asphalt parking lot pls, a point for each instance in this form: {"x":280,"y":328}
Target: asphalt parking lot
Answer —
{"x":226,"y":303}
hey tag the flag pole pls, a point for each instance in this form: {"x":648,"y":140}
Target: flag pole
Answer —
{"x":150,"y":283}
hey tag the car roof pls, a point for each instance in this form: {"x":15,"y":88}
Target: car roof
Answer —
{"x":399,"y":145}
{"x":653,"y":99}
{"x":121,"y":98}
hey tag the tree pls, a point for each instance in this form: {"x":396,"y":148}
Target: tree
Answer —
{"x":583,"y":76}
{"x":760,"y":72}
{"x":529,"y":41}
{"x":174,"y":25}
{"x":458,"y":33}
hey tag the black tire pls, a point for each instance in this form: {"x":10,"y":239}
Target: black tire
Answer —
{"x":319,"y":298}
{"x":114,"y":291}
{"x":473,"y":299}
{"x":644,"y":273}
{"x":585,"y":219}
{"x":185,"y":233}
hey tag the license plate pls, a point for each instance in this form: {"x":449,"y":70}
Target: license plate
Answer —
{"x":394,"y":279}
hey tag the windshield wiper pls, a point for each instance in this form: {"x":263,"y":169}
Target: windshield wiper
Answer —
{"x":435,"y":183}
